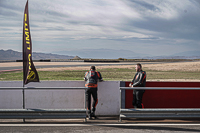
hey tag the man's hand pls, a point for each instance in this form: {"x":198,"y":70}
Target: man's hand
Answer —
{"x":130,"y":85}
{"x":100,"y":80}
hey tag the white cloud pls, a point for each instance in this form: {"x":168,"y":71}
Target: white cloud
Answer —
{"x":145,"y":22}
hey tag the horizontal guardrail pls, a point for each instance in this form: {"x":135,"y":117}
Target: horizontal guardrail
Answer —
{"x":171,"y":110}
{"x":42,"y":113}
{"x":42,"y":110}
{"x":42,"y":88}
{"x":160,"y":113}
{"x":170,"y":113}
{"x":159,"y":88}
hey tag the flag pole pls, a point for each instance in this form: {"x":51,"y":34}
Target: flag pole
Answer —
{"x":23,"y":94}
{"x":23,"y":98}
{"x":29,"y":71}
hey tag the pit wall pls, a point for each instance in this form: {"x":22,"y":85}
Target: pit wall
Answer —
{"x":108,"y":96}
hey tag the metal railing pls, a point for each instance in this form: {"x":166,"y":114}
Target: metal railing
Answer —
{"x":42,"y":113}
{"x":42,"y":88}
{"x":172,"y":113}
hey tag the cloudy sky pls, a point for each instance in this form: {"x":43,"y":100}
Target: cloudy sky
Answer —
{"x":144,"y":27}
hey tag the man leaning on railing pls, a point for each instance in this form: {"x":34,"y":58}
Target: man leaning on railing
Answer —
{"x":92,"y":77}
{"x":139,"y":80}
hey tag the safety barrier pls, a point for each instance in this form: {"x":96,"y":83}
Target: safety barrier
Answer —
{"x":34,"y":113}
{"x":38,"y":112}
{"x":170,"y":113}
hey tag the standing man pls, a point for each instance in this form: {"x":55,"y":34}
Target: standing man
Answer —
{"x":92,"y":77}
{"x":139,"y":80}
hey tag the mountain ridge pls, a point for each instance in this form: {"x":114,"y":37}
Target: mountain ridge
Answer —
{"x":15,"y":55}
{"x":103,"y":53}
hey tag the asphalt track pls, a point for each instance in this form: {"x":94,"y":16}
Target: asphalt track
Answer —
{"x":18,"y":65}
{"x":105,"y":125}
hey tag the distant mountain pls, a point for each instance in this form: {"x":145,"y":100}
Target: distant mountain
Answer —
{"x":128,"y":54}
{"x":96,"y":54}
{"x":166,"y":57}
{"x":182,"y":55}
{"x":173,"y":57}
{"x":14,"y":55}
{"x":102,"y":53}
{"x":188,"y":53}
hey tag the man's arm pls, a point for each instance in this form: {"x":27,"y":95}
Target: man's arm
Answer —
{"x":99,"y":77}
{"x":130,"y":85}
{"x":85,"y":78}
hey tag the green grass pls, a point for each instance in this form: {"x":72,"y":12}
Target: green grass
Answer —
{"x":115,"y":74}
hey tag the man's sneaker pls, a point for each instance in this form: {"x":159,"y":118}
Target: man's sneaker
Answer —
{"x":89,"y":117}
{"x":93,"y":115}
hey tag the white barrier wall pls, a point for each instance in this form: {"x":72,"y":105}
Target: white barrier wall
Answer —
{"x":11,"y":99}
{"x":108,"y":96}
{"x":55,"y":99}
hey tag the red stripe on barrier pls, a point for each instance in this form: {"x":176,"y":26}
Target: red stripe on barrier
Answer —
{"x":167,"y":98}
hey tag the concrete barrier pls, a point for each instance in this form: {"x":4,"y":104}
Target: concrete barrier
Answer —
{"x":11,"y":99}
{"x":108,"y":96}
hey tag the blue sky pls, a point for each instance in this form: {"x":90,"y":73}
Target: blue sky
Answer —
{"x":144,"y":27}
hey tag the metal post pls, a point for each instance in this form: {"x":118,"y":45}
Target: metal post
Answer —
{"x":23,"y":96}
{"x":120,"y":104}
{"x":85,"y":107}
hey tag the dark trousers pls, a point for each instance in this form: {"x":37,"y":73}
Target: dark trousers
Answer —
{"x":93,"y":92}
{"x":137,"y":98}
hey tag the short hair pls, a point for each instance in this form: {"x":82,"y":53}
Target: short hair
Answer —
{"x":93,"y":68}
{"x":138,"y":64}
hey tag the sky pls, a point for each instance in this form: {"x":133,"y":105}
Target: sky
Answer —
{"x":141,"y":27}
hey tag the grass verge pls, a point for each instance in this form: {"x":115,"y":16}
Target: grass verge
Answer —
{"x":115,"y":74}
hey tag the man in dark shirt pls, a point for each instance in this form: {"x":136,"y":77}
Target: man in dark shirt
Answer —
{"x":139,"y":80}
{"x":92,"y":77}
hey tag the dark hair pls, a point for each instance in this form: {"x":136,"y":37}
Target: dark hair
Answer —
{"x":93,"y":68}
{"x":139,"y":65}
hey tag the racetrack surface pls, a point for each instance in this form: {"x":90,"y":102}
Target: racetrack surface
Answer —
{"x":108,"y":125}
{"x":163,"y":66}
{"x":38,"y":65}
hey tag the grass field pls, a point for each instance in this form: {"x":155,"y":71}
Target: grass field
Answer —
{"x":115,"y":74}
